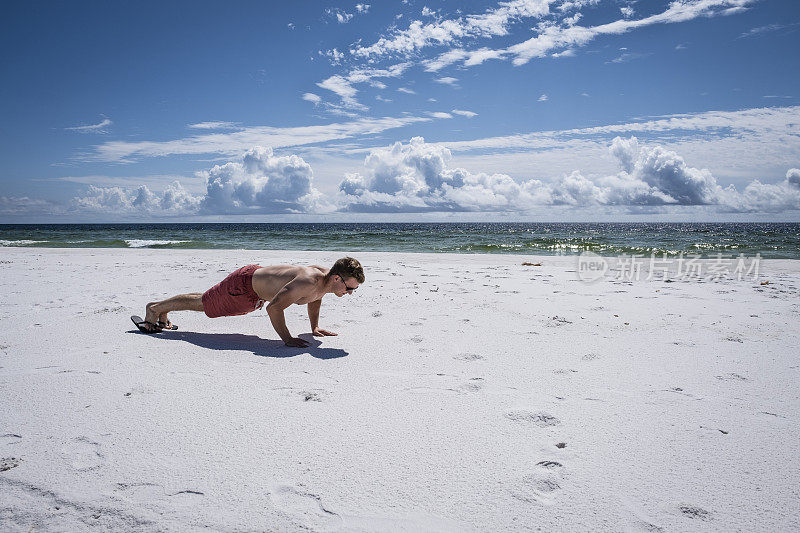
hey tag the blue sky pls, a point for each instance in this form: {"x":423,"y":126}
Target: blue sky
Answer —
{"x":517,"y":110}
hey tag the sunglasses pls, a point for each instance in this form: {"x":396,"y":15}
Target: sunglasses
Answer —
{"x":349,"y":289}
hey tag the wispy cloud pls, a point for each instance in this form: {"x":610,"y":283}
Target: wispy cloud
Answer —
{"x":92,"y":128}
{"x":464,"y":113}
{"x":237,"y":142}
{"x":552,"y":37}
{"x":447,"y":80}
{"x":761,"y":30}
{"x":627,"y":57}
{"x":214,"y":125}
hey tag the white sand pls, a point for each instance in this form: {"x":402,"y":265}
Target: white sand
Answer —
{"x":437,"y":408}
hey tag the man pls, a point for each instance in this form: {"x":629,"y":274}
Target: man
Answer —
{"x":248,"y":288}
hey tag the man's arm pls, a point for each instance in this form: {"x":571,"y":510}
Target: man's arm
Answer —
{"x":313,"y":316}
{"x":289,"y":294}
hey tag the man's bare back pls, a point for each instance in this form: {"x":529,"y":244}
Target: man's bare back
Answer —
{"x":269,"y":280}
{"x":246,"y":289}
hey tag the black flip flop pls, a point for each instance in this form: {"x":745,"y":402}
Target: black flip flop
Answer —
{"x":140,"y":323}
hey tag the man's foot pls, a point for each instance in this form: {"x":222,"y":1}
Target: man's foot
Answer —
{"x":167,"y":325}
{"x":145,"y":326}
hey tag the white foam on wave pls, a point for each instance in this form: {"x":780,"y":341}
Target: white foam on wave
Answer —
{"x":143,"y":243}
{"x":23,"y":242}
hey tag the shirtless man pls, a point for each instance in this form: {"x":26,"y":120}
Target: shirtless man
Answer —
{"x":248,"y":288}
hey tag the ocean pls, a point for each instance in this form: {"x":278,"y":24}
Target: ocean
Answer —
{"x":770,"y":240}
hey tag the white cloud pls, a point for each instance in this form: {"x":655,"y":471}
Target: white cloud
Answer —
{"x":334,"y":55}
{"x":417,"y":177}
{"x":258,"y":183}
{"x":343,"y":85}
{"x":793,"y":177}
{"x":552,"y":39}
{"x":761,"y":30}
{"x":543,"y":98}
{"x":420,"y":35}
{"x":447,"y":80}
{"x":290,"y":26}
{"x":236,"y":142}
{"x":362,"y":8}
{"x":175,"y":200}
{"x":406,"y":90}
{"x":261,"y":183}
{"x":214,"y":125}
{"x":464,"y":113}
{"x":627,"y":11}
{"x":627,"y":57}
{"x":311,"y":97}
{"x":341,"y":17}
{"x":100,"y":127}
{"x":440,"y":114}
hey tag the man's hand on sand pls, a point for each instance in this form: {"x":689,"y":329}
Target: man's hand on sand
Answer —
{"x":296,"y":343}
{"x":319,"y":332}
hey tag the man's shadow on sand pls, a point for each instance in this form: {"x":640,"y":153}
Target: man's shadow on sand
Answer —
{"x":252,"y":343}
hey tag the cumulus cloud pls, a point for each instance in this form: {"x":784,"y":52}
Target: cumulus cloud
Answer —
{"x":258,"y":183}
{"x":417,"y":177}
{"x":261,"y":183}
{"x":174,"y":200}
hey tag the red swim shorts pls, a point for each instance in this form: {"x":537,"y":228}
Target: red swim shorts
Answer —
{"x":233,"y":295}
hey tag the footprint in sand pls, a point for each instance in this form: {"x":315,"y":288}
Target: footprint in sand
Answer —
{"x":7,"y":463}
{"x":304,"y":508}
{"x":539,"y":419}
{"x":473,"y":385}
{"x":694,"y":512}
{"x":83,"y":454}
{"x":312,"y":395}
{"x":416,"y":338}
{"x":140,"y":492}
{"x":731,"y":377}
{"x":590,"y":357}
{"x":468,"y":357}
{"x":540,"y":485}
{"x":9,"y":438}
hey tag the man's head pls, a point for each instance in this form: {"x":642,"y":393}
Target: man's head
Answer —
{"x":347,"y":274}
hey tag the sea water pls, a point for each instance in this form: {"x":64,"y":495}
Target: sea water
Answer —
{"x":770,"y":240}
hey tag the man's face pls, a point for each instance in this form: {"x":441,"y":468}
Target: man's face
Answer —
{"x":345,"y":286}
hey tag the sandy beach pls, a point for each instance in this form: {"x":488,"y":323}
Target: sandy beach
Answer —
{"x":463,"y":393}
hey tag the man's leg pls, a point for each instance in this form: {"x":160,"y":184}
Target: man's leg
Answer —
{"x":157,"y":311}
